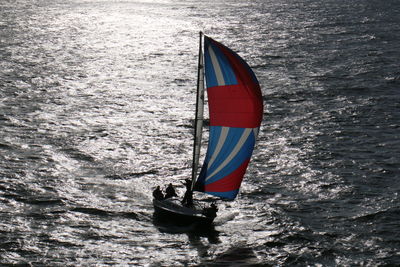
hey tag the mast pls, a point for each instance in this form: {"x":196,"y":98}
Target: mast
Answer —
{"x":198,"y":123}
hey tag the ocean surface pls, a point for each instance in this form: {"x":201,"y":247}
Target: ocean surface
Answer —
{"x":96,"y":109}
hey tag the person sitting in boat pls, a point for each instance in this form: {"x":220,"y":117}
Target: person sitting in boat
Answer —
{"x":170,"y":191}
{"x":188,"y":197}
{"x":157,"y":194}
{"x":211,"y":211}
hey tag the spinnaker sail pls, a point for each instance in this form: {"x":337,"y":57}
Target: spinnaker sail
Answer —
{"x":236,"y":109}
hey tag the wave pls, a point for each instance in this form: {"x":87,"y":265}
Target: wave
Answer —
{"x":101,"y":212}
{"x":390,"y":215}
{"x":79,"y":155}
{"x":5,"y":146}
{"x":130,"y":175}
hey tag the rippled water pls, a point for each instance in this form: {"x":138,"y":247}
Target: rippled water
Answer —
{"x":97,"y":104}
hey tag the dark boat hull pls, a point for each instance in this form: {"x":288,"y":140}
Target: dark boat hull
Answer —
{"x":172,"y":211}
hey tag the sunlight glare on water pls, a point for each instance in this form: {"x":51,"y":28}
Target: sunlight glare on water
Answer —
{"x":97,"y":105}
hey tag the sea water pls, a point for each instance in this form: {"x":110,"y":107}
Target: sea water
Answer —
{"x":97,"y":105}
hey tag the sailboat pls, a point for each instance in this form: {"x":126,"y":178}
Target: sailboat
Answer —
{"x":235,"y":114}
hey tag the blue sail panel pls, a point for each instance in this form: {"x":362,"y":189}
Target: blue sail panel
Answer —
{"x":231,"y":157}
{"x":218,"y":71}
{"x":228,"y":154}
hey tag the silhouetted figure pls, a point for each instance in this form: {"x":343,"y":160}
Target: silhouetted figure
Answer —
{"x":170,"y":191}
{"x":157,"y":194}
{"x":211,"y":211}
{"x":188,"y":197}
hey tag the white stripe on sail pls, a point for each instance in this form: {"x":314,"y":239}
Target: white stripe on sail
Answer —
{"x":220,"y":143}
{"x":234,"y":152}
{"x":217,"y":67}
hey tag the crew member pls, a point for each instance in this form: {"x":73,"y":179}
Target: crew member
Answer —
{"x":170,"y":191}
{"x":211,"y":211}
{"x":157,"y":194}
{"x":188,"y":197}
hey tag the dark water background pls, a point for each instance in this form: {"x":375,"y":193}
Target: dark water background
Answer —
{"x":96,"y":108}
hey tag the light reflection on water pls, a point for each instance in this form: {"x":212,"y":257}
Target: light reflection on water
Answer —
{"x":97,"y":102}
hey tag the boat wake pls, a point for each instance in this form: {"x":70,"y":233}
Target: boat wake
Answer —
{"x":222,"y":219}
